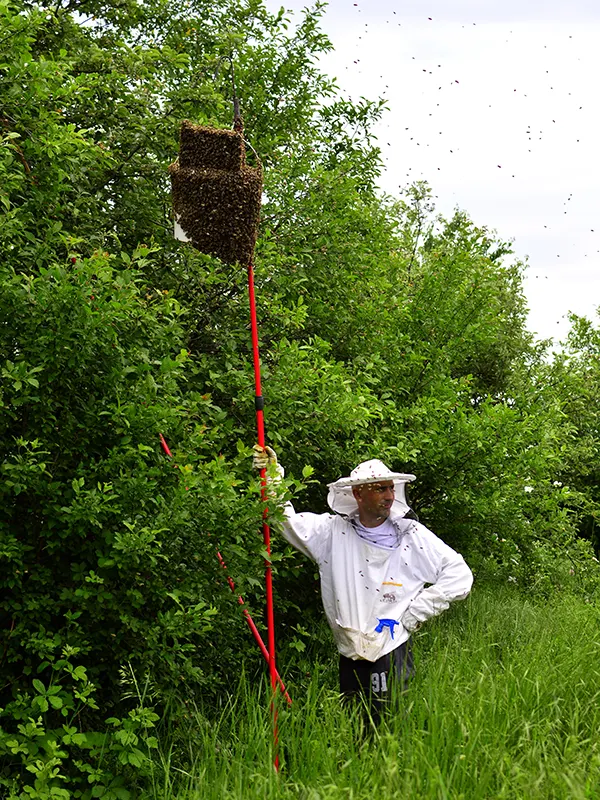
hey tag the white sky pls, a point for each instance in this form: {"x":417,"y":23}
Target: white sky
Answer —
{"x":495,"y":105}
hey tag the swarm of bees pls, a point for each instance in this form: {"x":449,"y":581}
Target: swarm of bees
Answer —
{"x":216,"y":195}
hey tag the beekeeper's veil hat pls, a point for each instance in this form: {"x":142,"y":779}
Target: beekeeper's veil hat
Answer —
{"x":341,"y":500}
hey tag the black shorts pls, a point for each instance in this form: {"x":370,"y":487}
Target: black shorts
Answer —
{"x":374,"y":680}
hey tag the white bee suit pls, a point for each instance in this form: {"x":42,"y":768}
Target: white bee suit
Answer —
{"x":362,"y":583}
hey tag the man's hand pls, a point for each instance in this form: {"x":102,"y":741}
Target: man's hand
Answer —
{"x":263,"y":457}
{"x":410,"y":622}
{"x":266,"y":458}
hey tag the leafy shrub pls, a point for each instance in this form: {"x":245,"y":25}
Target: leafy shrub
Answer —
{"x":104,"y":542}
{"x":50,"y":745}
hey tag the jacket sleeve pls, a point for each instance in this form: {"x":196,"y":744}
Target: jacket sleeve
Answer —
{"x":309,"y":533}
{"x":449,"y":575}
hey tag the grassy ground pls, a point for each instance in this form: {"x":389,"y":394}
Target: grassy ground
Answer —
{"x":506,"y":704}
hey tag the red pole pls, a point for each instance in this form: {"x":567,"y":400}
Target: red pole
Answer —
{"x":260,"y":430}
{"x":165,"y":446}
{"x":254,"y":630}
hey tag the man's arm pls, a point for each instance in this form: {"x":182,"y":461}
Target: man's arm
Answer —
{"x":449,"y":575}
{"x":307,"y":532}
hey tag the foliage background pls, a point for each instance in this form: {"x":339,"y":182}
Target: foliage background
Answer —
{"x":385,"y":330}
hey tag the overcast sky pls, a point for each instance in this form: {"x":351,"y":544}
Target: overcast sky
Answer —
{"x":495,"y":104}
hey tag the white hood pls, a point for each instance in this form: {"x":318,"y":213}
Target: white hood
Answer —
{"x":341,"y":500}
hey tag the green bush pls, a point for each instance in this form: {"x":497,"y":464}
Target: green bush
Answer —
{"x":105,"y":552}
{"x":68,"y":760}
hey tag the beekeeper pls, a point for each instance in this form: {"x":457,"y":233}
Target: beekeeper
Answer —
{"x":382,"y":573}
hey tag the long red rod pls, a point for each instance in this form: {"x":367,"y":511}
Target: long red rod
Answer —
{"x":254,"y":630}
{"x":240,"y":599}
{"x":260,"y":430}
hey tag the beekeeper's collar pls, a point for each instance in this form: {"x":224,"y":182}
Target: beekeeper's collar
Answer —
{"x":341,"y":500}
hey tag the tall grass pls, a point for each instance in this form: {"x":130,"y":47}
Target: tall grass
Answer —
{"x":505,"y":704}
